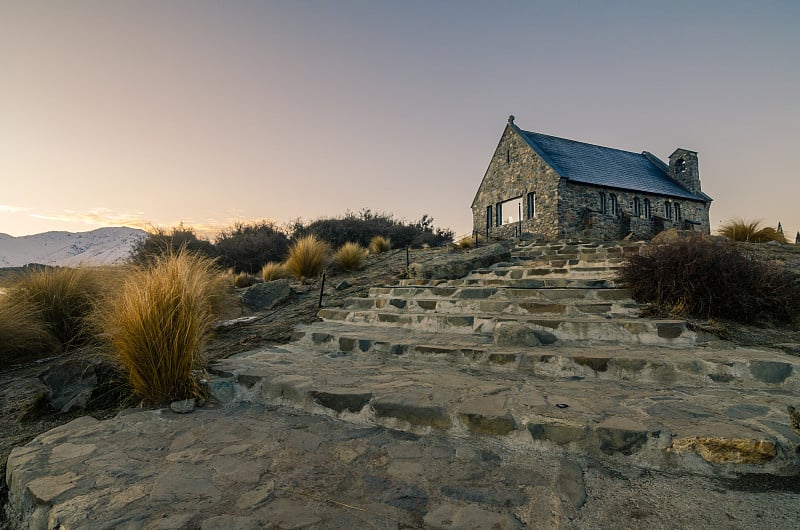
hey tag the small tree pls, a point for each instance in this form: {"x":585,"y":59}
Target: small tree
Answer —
{"x":247,"y":247}
{"x":160,"y":242}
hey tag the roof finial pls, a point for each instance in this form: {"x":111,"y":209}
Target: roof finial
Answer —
{"x":511,"y":119}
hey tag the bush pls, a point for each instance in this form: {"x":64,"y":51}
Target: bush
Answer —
{"x":307,"y":258}
{"x":379,"y":245}
{"x":350,"y":256}
{"x":740,"y":230}
{"x":363,"y":227}
{"x":158,"y":323}
{"x":62,"y":300}
{"x":246,"y":247}
{"x":273,"y":271}
{"x":160,"y":242}
{"x":706,"y":278}
{"x":22,"y":333}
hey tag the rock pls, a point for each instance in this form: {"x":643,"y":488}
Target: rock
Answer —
{"x":453,"y":266}
{"x":727,"y":450}
{"x":344,"y":284}
{"x":770,"y":371}
{"x":514,"y":334}
{"x":183,"y":407}
{"x":446,"y":516}
{"x":71,"y":382}
{"x":263,"y":296}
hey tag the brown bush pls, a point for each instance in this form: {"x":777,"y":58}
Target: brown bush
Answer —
{"x":705,"y":278}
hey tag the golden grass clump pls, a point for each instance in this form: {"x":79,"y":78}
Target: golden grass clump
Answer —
{"x":307,"y":258}
{"x":23,"y":335}
{"x":243,"y":279}
{"x":62,"y":298}
{"x":158,"y":323}
{"x":273,"y":271}
{"x":741,"y":230}
{"x":350,"y":256}
{"x":379,"y":244}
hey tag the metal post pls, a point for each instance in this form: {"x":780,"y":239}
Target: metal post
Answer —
{"x":520,"y":218}
{"x":408,"y":257}
{"x":321,"y":289}
{"x":476,"y":239}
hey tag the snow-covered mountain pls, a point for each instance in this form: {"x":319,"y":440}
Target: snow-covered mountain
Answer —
{"x":103,"y":246}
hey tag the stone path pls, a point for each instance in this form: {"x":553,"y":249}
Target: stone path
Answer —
{"x":527,"y":393}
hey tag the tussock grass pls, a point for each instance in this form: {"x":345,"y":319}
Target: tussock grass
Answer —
{"x":307,"y":258}
{"x":350,"y":256}
{"x":379,"y":244}
{"x":158,"y":322}
{"x":63,"y":300}
{"x":273,"y":271}
{"x":23,"y":334}
{"x":752,"y":231}
{"x":243,"y":279}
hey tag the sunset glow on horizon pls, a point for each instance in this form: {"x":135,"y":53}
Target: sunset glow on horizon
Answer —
{"x":210,"y":113}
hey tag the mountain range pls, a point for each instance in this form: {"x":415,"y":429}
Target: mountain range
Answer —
{"x":104,"y":246}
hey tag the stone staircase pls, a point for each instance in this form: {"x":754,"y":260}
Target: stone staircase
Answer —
{"x":543,"y":351}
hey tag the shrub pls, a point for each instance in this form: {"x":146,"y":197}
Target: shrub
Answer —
{"x":62,"y":299}
{"x":740,"y":230}
{"x":243,"y":279}
{"x":379,"y":245}
{"x":307,"y":258}
{"x":273,"y":271}
{"x":22,"y":332}
{"x":350,"y":256}
{"x":158,"y":323}
{"x":363,"y":227}
{"x":160,"y":242}
{"x":246,"y":247}
{"x":706,"y":278}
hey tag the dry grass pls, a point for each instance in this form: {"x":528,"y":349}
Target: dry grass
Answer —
{"x":308,"y":257}
{"x":273,"y":271}
{"x":158,"y":322}
{"x":379,"y":244}
{"x":350,"y":257}
{"x":741,"y":230}
{"x":243,"y":279}
{"x":23,"y":335}
{"x":62,"y":298}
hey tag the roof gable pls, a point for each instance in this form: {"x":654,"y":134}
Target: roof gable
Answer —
{"x":605,"y":166}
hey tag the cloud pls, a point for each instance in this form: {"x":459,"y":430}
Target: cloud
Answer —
{"x":5,"y":208}
{"x":97,"y":217}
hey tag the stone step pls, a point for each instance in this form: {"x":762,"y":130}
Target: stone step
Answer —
{"x":707,"y":429}
{"x":524,"y":283}
{"x":523,"y":271}
{"x":518,"y":307}
{"x":667,"y":366}
{"x":548,"y":329}
{"x":561,"y":295}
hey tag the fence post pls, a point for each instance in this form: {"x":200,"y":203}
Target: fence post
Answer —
{"x":408,"y":257}
{"x":321,"y":289}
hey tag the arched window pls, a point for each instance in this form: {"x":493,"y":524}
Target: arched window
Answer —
{"x":680,"y":166}
{"x":498,"y":214}
{"x":614,"y":205}
{"x":531,"y":205}
{"x":668,"y":210}
{"x":648,"y":212}
{"x":678,"y":216}
{"x":602,"y":202}
{"x":637,"y":207}
{"x":489,"y":216}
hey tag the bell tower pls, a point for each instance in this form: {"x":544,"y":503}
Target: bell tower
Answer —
{"x":683,"y":169}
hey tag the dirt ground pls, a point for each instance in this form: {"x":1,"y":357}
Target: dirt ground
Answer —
{"x":24,"y":413}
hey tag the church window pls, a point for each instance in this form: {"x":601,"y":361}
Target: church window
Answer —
{"x":614,"y":205}
{"x":668,"y":210}
{"x":648,"y":212}
{"x":489,"y":216}
{"x":637,"y":207}
{"x":602,"y":202}
{"x":680,"y":166}
{"x":531,"y":205}
{"x":678,"y":215}
{"x":498,"y":214}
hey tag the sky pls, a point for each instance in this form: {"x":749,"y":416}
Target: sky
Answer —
{"x":156,"y":112}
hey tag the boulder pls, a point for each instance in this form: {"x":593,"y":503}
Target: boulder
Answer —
{"x":514,"y":334}
{"x":263,"y":296}
{"x":70,"y":382}
{"x":453,"y":266}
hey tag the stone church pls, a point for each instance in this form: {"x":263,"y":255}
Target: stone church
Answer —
{"x":562,"y":188}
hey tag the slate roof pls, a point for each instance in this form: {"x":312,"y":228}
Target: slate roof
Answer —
{"x":604,"y":166}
